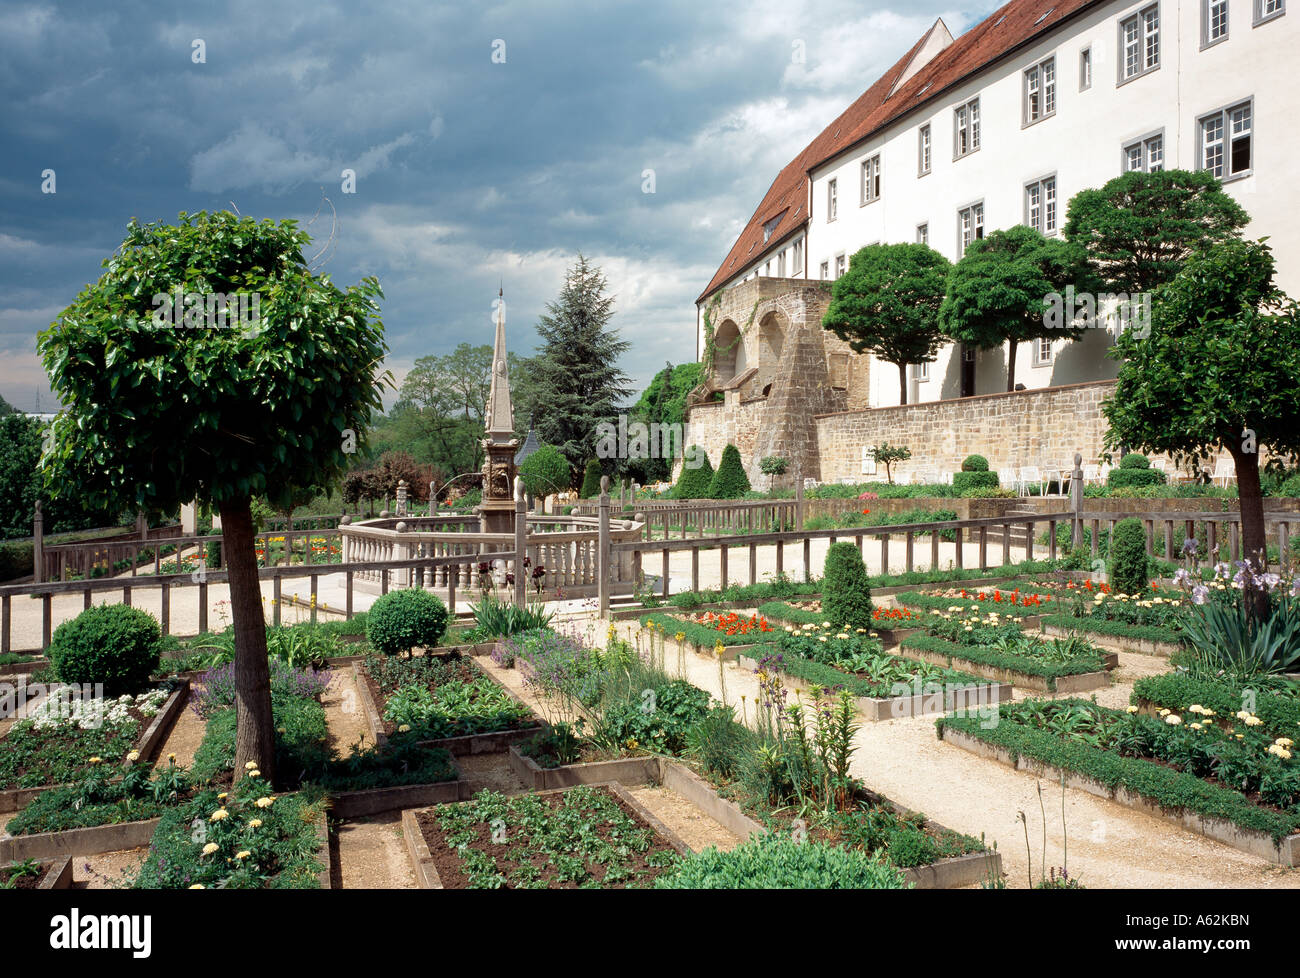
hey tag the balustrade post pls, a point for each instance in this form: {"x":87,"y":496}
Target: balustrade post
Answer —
{"x":521,"y":541}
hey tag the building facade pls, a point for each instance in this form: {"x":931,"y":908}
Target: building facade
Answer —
{"x":1002,"y":126}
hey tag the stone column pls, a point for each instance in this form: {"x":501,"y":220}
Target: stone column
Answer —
{"x":402,"y":488}
{"x":521,"y":544}
{"x":604,"y":570}
{"x":1076,"y":498}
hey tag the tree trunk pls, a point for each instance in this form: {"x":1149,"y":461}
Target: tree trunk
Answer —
{"x":255,"y":735}
{"x":1254,"y":541}
{"x":1011,"y":365}
{"x":902,"y":383}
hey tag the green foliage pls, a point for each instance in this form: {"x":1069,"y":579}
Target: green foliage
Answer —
{"x":996,"y":290}
{"x":889,"y":455}
{"x":974,"y":479}
{"x":1178,"y":691}
{"x":659,"y":723}
{"x":664,"y":403}
{"x":113,"y":644}
{"x":590,"y":480}
{"x":575,"y":380}
{"x":402,"y":620}
{"x":546,"y":471}
{"x":974,"y":463}
{"x":846,"y":592}
{"x":494,"y":618}
{"x":773,"y":464}
{"x":1111,"y":629}
{"x":1134,"y":470}
{"x":778,"y":862}
{"x":1129,"y":565}
{"x":729,"y":481}
{"x":1227,"y":641}
{"x":1134,"y":460}
{"x":20,"y":486}
{"x":718,"y":741}
{"x":887,"y":304}
{"x":1140,"y":228}
{"x":694,"y":483}
{"x":1026,"y":654}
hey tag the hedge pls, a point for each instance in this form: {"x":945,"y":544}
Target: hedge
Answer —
{"x":828,"y":677}
{"x":985,"y":656}
{"x":1112,"y":629}
{"x":1170,"y":789}
{"x":961,"y":481}
{"x":1175,"y":691}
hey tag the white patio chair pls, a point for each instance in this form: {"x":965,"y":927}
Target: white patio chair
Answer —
{"x":1031,"y":475}
{"x":1091,"y":474}
{"x":1224,"y":469}
{"x":1007,"y":479}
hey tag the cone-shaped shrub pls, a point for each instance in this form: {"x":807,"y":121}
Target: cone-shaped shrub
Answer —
{"x":1128,"y":557}
{"x":590,"y":481}
{"x":694,"y":483}
{"x":730,"y":481}
{"x":846,"y":595}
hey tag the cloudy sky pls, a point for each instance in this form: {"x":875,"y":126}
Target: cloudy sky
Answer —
{"x":470,"y":170}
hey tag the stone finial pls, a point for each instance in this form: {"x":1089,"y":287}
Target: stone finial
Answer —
{"x":499,"y":421}
{"x":383,"y":514}
{"x":401,"y":527}
{"x":604,"y":485}
{"x":346,"y":520}
{"x":519,"y":489}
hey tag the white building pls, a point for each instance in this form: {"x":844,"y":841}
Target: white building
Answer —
{"x":1002,"y":125}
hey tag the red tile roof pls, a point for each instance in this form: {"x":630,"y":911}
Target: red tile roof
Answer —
{"x":1011,"y":26}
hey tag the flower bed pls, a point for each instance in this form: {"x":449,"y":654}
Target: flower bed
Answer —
{"x":37,"y":874}
{"x":1140,"y":638}
{"x":590,"y":837}
{"x":1236,"y":784}
{"x":1056,"y":665}
{"x":1176,"y":691}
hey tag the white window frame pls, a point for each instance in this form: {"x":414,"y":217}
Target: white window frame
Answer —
{"x":1224,"y":117}
{"x":921,"y":371}
{"x":1143,"y":145}
{"x":832,"y":200}
{"x":1038,"y":92}
{"x":1263,"y":15}
{"x":841,"y":264}
{"x":1085,"y":69}
{"x":872,"y":184}
{"x":1208,"y":13}
{"x":825,"y":270}
{"x":797,"y":259}
{"x":780,"y":264}
{"x":923,"y":233}
{"x":966,"y":118}
{"x":924,"y":150}
{"x":1042,"y":205}
{"x":1144,"y":40}
{"x":971,"y":215}
{"x":1041,"y":358}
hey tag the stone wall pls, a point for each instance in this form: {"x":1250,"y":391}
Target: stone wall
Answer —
{"x":735,"y":421}
{"x":1034,"y":427}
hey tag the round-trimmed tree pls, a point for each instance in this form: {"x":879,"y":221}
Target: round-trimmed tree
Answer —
{"x":547,"y":471}
{"x":730,"y":481}
{"x":162,"y":409}
{"x":1218,"y":371}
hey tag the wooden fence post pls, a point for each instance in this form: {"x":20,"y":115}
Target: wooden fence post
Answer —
{"x":38,"y":545}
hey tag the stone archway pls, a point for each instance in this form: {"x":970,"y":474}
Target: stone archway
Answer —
{"x":771,"y":340}
{"x":728,"y":352}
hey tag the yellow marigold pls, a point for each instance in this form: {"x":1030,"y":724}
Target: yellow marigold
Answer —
{"x":1173,"y":719}
{"x":133,"y":756}
{"x":404,"y":728}
{"x":222,"y":796}
{"x":254,"y":823}
{"x":96,"y":760}
{"x":220,"y":815}
{"x":1284,"y":742}
{"x":1253,"y":721}
{"x":264,"y":802}
{"x":210,"y":848}
{"x":1132,"y":709}
{"x":171,"y":757}
{"x":243,"y":854}
{"x":254,"y":774}
{"x":250,"y":765}
{"x":197,"y":886}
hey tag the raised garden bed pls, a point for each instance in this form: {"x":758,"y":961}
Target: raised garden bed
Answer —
{"x":150,"y":740}
{"x":1022,"y":671}
{"x":595,"y":836}
{"x":1145,"y":639}
{"x":78,"y":842}
{"x":39,"y":874}
{"x":25,"y":664}
{"x":1152,"y":786}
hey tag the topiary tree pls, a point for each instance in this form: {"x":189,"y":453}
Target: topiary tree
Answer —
{"x":546,"y":471}
{"x":887,"y":304}
{"x":1140,"y":228}
{"x":889,"y":455}
{"x":1175,"y":396}
{"x":974,"y":474}
{"x":974,"y":463}
{"x":402,"y":620}
{"x":1129,"y":564}
{"x":161,"y":410}
{"x":694,"y":482}
{"x":113,"y":644}
{"x":996,"y":292}
{"x":730,"y":481}
{"x":846,"y":590}
{"x":1134,"y":470}
{"x":590,"y":480}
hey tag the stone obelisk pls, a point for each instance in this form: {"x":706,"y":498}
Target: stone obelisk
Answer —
{"x":497,"y":510}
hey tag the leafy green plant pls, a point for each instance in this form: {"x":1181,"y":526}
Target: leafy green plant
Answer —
{"x":729,"y":481}
{"x":777,"y":862}
{"x":499,"y":619}
{"x":402,"y":620}
{"x":773,"y":464}
{"x":1129,"y":565}
{"x":846,"y":594}
{"x":115,"y":644}
{"x":889,"y":455}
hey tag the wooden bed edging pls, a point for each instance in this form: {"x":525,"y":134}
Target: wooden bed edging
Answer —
{"x":1142,"y":646}
{"x":1077,"y":683}
{"x":1284,"y":853}
{"x":90,"y":841}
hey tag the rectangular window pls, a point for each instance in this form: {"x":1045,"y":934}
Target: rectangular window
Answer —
{"x":966,"y":129}
{"x":1040,"y":91}
{"x":797,"y":260}
{"x":1042,"y":352}
{"x":921,"y":372}
{"x":1040,"y":205}
{"x":871,"y":179}
{"x":767,"y":268}
{"x":832,"y":201}
{"x":1085,"y":69}
{"x":780,"y":264}
{"x":1214,"y":22}
{"x":1268,"y":9}
{"x":825,"y":270}
{"x":1225,"y":141}
{"x":839,"y":265}
{"x":1139,"y":43}
{"x":1146,"y":154}
{"x":923,"y":150}
{"x":970,"y":226}
{"x":923,"y":234}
